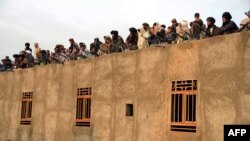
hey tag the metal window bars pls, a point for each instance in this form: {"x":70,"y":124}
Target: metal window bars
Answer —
{"x":83,"y":106}
{"x":26,"y":108}
{"x":183,"y":105}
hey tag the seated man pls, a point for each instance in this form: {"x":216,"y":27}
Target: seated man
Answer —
{"x":42,"y":59}
{"x":17,"y":61}
{"x":28,"y":59}
{"x":58,"y":56}
{"x":23,"y":60}
{"x":211,"y":29}
{"x":95,"y":46}
{"x":245,"y":23}
{"x":182,"y":31}
{"x":105,"y":47}
{"x":154,"y":37}
{"x":83,"y":52}
{"x":131,"y":41}
{"x":7,"y":64}
{"x":228,"y":26}
{"x":162,"y":33}
{"x":170,"y":35}
{"x":117,"y":42}
{"x":73,"y":55}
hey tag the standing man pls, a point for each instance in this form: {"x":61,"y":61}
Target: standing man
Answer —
{"x":174,"y":24}
{"x":27,"y":47}
{"x":196,"y":26}
{"x":37,"y":50}
{"x":73,"y":44}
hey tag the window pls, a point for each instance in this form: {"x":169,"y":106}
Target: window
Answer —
{"x":26,"y":110}
{"x":183,"y":105}
{"x":129,"y":109}
{"x":83,"y":107}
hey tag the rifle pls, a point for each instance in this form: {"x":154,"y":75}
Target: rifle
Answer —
{"x":201,"y":29}
{"x":244,"y":26}
{"x":187,"y":33}
{"x":144,"y":37}
{"x":209,"y":35}
{"x":182,"y":37}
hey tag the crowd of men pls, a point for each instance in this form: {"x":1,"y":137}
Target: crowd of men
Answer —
{"x":143,"y":37}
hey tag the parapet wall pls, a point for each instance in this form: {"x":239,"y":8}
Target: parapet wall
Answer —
{"x":221,"y":65}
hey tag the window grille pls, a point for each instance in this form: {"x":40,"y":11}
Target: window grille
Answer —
{"x":26,"y":109}
{"x":83,"y":108}
{"x":183,"y":105}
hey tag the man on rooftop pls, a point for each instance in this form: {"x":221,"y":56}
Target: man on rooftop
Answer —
{"x":228,"y":26}
{"x":196,"y":26}
{"x":73,"y":44}
{"x":245,"y":23}
{"x":212,"y":29}
{"x":117,"y":42}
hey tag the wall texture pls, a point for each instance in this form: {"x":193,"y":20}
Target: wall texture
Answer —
{"x":144,"y":78}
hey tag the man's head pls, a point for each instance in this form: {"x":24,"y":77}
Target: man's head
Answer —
{"x":248,"y":13}
{"x":107,"y":39}
{"x":114,"y":33}
{"x":169,"y":29}
{"x":210,"y":21}
{"x":27,"y":44}
{"x":83,"y":48}
{"x":226,"y":16}
{"x":96,"y":40}
{"x":163,"y":26}
{"x":174,"y":21}
{"x":197,"y":16}
{"x":62,"y":49}
{"x":81,"y":44}
{"x":57,"y":48}
{"x":71,"y":40}
{"x":75,"y":50}
{"x":132,"y":30}
{"x":145,"y":26}
{"x":36,"y":45}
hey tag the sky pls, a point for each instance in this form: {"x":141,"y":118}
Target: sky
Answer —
{"x":51,"y":22}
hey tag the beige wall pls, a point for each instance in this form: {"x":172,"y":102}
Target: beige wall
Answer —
{"x":221,"y":65}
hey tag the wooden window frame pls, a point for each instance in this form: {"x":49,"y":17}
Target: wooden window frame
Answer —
{"x":186,"y":123}
{"x":26,"y":108}
{"x":83,"y":107}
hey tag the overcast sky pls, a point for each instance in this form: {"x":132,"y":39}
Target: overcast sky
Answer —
{"x":50,"y":22}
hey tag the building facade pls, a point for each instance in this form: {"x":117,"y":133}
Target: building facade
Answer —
{"x":181,"y":92}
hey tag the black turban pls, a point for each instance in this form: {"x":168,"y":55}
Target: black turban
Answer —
{"x":211,"y":19}
{"x":114,"y":32}
{"x":227,"y":15}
